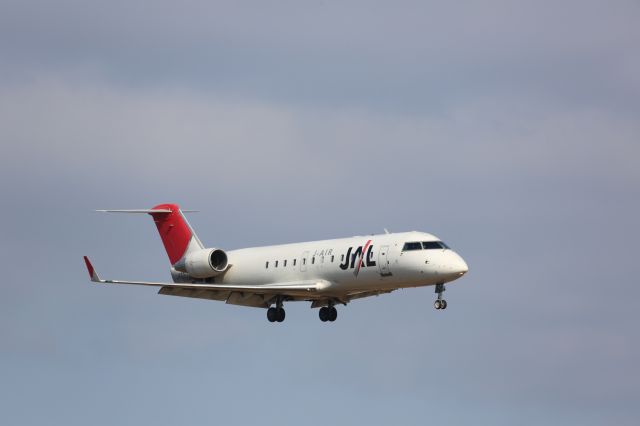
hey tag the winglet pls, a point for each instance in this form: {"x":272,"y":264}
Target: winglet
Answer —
{"x":92,"y":272}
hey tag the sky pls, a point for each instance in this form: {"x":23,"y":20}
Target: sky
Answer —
{"x":511,"y":130}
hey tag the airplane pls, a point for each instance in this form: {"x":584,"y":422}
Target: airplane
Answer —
{"x":326,"y":273}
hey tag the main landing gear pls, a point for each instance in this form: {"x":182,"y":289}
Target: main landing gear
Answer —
{"x":328,"y":313}
{"x":277,"y":313}
{"x":440,"y":303}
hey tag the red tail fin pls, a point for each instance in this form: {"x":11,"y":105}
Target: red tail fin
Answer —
{"x":174,"y":230}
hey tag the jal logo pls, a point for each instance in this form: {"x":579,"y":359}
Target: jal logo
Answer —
{"x":356,"y":259}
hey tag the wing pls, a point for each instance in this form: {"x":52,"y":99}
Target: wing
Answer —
{"x":246,"y":295}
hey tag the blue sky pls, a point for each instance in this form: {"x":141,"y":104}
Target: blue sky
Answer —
{"x":509,"y":129}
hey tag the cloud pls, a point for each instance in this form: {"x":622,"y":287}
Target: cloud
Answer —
{"x":96,"y":129}
{"x":408,"y":56}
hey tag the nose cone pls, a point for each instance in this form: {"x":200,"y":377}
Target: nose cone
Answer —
{"x":455,"y":266}
{"x":460,"y":266}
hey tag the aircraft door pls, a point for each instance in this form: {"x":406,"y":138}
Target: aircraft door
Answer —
{"x":383,"y":261}
{"x":303,"y":261}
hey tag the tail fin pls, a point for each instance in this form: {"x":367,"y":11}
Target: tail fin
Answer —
{"x":176,"y":233}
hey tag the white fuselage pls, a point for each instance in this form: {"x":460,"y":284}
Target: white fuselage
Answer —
{"x":383,"y":266}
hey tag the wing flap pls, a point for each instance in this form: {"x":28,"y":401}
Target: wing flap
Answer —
{"x":195,"y":293}
{"x":248,"y":299}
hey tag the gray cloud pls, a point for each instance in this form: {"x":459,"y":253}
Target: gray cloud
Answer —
{"x":115,"y":131}
{"x":409,"y":56}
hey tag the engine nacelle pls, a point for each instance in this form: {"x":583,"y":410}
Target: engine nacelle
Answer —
{"x":205,"y":263}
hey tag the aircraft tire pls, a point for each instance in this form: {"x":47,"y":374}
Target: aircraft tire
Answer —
{"x":272,"y":314}
{"x":323,"y":314}
{"x":280,"y":314}
{"x":333,"y":314}
{"x":437,"y":304}
{"x":444,"y":304}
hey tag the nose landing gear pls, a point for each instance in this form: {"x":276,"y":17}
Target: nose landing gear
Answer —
{"x":440,"y":303}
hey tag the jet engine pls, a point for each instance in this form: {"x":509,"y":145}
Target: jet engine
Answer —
{"x":205,"y":263}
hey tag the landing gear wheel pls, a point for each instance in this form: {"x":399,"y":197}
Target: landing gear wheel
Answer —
{"x":324,"y":314}
{"x":272,"y":314}
{"x":328,"y":313}
{"x":280,"y":314}
{"x":333,"y":313}
{"x":440,"y":303}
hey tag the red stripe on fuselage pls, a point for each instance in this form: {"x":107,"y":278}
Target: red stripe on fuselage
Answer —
{"x":364,"y":253}
{"x":173,"y":230}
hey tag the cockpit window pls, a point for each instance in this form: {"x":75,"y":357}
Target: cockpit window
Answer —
{"x":434,"y":245}
{"x":426,"y":245}
{"x":412,"y":246}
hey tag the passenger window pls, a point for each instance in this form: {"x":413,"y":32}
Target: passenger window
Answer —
{"x":266,"y":265}
{"x":284,"y":263}
{"x":276,"y":263}
{"x":412,"y":246}
{"x":313,"y":260}
{"x":304,"y":261}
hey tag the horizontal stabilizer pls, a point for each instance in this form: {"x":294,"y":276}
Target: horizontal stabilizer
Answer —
{"x":136,"y":211}
{"x":149,"y":211}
